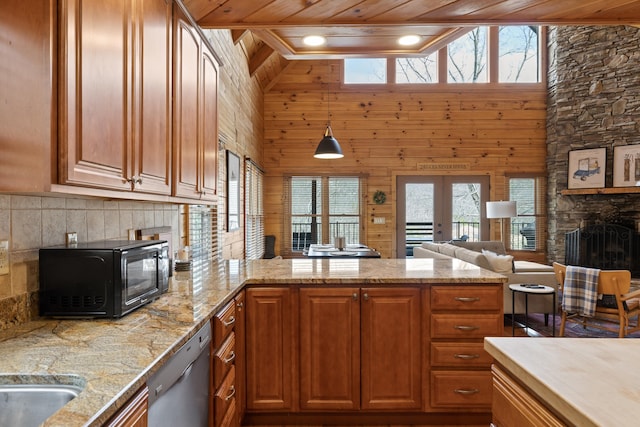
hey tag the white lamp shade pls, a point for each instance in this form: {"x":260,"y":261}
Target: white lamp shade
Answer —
{"x":501,"y":209}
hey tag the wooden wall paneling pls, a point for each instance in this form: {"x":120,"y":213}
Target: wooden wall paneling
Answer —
{"x":496,"y":130}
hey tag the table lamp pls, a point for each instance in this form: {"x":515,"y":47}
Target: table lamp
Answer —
{"x":501,"y":210}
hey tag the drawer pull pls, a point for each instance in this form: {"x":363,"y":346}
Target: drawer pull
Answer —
{"x":466,"y":356}
{"x":466,"y":391}
{"x":466,"y":328}
{"x":231,"y":321}
{"x":233,"y":393}
{"x":467,"y":299}
{"x":230,"y":359}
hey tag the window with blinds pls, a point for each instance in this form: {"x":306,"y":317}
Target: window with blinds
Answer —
{"x":254,"y":211}
{"x":318,"y":208}
{"x":527,"y":230}
{"x":202,"y":235}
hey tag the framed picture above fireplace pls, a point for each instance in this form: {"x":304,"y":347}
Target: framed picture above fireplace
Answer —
{"x":626,"y":166}
{"x":587,"y":168}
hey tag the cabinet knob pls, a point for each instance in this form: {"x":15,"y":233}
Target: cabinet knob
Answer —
{"x":366,"y":296}
{"x":355,"y":296}
{"x":240,"y":305}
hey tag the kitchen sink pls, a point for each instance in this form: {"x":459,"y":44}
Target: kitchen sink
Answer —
{"x":27,"y":404}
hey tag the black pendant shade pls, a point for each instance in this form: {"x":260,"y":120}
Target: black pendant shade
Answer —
{"x":328,"y":148}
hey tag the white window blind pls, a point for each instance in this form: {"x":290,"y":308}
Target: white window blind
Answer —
{"x":254,"y":211}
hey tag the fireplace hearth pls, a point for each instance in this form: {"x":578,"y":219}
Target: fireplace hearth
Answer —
{"x":604,"y":246}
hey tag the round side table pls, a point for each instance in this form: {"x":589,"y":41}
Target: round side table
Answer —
{"x":530,"y":289}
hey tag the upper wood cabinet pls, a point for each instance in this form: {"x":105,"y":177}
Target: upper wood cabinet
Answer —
{"x":27,"y":95}
{"x":195,"y":114}
{"x":115,"y":70}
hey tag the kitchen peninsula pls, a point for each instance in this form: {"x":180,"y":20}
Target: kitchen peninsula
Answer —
{"x":112,"y":359}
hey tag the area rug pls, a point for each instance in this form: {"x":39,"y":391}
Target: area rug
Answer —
{"x":536,"y":322}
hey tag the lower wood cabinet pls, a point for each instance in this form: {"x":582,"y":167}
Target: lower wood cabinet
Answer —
{"x":270,"y":339}
{"x":514,"y":406}
{"x":134,"y":413}
{"x":360,"y":348}
{"x":348,"y":351}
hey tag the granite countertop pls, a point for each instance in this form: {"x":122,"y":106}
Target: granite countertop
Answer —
{"x":112,"y":358}
{"x":589,"y":381}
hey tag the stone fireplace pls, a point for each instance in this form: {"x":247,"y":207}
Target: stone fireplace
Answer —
{"x":593,"y":102}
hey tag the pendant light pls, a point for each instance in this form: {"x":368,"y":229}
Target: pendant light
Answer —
{"x":328,"y":148}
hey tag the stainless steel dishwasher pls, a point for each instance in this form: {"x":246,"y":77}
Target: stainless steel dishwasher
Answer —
{"x":179,"y":391}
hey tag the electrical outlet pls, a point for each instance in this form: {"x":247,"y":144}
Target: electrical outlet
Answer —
{"x":71,"y":238}
{"x":131,"y":234}
{"x":4,"y":257}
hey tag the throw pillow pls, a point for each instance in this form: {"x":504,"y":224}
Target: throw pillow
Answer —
{"x":502,"y":264}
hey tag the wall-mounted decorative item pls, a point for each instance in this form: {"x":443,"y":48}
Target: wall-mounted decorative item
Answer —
{"x":587,"y":168}
{"x":379,"y":197}
{"x":233,"y":191}
{"x":626,"y":166}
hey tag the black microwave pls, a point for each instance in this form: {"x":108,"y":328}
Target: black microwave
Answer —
{"x":107,"y":278}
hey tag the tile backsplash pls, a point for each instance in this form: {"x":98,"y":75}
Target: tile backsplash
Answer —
{"x":32,"y":222}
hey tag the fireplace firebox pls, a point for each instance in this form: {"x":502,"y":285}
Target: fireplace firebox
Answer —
{"x":604,"y":246}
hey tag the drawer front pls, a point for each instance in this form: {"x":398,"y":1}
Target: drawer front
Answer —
{"x":224,"y":359}
{"x":461,"y":389}
{"x":461,"y":298}
{"x":466,"y":325}
{"x":223,"y":323}
{"x":460,"y":355}
{"x":225,"y":396}
{"x":231,"y":418}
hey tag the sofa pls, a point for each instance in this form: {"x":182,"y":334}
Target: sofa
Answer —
{"x":491,"y":255}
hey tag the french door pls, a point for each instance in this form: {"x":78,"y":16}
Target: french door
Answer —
{"x":439,"y":208}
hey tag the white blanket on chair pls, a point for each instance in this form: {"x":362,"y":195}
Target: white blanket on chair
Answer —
{"x":580,"y":291}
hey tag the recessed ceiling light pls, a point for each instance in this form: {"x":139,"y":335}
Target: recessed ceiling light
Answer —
{"x":409,"y":40}
{"x":314,"y":40}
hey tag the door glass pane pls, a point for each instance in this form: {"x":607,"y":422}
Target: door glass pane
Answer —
{"x":344,"y":208}
{"x":465,"y":211}
{"x":419,"y":203}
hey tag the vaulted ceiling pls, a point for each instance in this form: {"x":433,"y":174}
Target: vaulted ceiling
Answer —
{"x":372,"y":27}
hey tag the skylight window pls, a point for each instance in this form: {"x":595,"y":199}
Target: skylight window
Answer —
{"x":365,"y":71}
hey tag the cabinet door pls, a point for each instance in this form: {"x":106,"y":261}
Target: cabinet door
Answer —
{"x":186,"y":108}
{"x":391,"y":348}
{"x":152,"y":106}
{"x":270,"y":347}
{"x":209,"y":116}
{"x":115,"y":98}
{"x":94,"y":75}
{"x":330,"y":348}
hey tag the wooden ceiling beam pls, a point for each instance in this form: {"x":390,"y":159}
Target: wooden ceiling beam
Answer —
{"x":237,"y":35}
{"x":259,"y":58}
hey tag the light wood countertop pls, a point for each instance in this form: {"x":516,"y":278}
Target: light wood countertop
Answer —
{"x":586,"y":381}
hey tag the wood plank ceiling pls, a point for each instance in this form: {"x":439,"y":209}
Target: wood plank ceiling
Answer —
{"x":367,"y":28}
